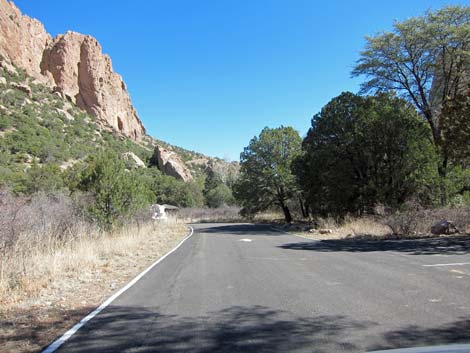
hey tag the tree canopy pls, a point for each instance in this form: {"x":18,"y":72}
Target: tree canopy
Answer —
{"x":363,"y":151}
{"x":425,"y":59}
{"x":265,"y":178}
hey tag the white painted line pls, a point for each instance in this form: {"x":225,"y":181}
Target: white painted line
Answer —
{"x":61,"y":340}
{"x":455,"y":264}
{"x":246,"y":240}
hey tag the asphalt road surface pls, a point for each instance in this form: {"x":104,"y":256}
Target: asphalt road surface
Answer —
{"x":249,"y":288}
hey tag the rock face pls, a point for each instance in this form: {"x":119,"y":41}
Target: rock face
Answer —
{"x":73,"y":64}
{"x":171,"y":164}
{"x":22,"y":39}
{"x":131,"y":157}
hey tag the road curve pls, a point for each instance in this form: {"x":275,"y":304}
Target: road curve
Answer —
{"x":250,"y":288}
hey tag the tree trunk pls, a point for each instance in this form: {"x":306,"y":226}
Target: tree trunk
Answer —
{"x":442,"y":170}
{"x":287,"y":215}
{"x":303,"y":208}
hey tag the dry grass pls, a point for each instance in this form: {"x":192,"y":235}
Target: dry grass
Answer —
{"x":328,"y":228}
{"x":412,"y":223}
{"x":43,"y":294}
{"x":269,"y":216}
{"x":209,"y":215}
{"x":417,"y":221}
{"x":55,"y":267}
{"x":29,"y":273}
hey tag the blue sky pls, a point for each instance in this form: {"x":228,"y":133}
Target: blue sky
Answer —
{"x":208,"y":75}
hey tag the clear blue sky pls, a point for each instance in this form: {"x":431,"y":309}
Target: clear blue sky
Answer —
{"x":208,"y":75}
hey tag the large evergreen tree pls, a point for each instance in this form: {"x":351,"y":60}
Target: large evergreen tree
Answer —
{"x":265,"y":178}
{"x":362,"y":151}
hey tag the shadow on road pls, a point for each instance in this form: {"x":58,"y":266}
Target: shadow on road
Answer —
{"x":241,"y":229}
{"x":450,"y":245}
{"x":413,"y":336}
{"x":235,"y":329}
{"x":248,"y":329}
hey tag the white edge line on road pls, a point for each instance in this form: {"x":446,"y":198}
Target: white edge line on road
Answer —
{"x":454,"y":264}
{"x":62,"y":339}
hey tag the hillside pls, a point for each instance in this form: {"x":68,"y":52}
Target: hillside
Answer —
{"x":37,"y":125}
{"x":61,"y":102}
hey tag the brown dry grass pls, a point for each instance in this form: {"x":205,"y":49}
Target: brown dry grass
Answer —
{"x":209,"y":215}
{"x":351,"y":227}
{"x":44,"y":289}
{"x":411,"y":223}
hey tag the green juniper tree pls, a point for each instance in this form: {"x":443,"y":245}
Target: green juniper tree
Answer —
{"x":363,"y":151}
{"x":265,"y":177}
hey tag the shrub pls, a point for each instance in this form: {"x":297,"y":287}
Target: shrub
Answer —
{"x":219,"y":196}
{"x":414,"y":220}
{"x":117,"y":193}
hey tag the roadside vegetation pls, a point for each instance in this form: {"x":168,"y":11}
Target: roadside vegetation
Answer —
{"x":398,"y":151}
{"x":75,"y":217}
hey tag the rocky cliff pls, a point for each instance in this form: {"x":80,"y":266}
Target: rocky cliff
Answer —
{"x":73,"y":64}
{"x":171,"y":164}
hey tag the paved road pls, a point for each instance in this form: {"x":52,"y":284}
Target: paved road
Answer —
{"x":247,"y":288}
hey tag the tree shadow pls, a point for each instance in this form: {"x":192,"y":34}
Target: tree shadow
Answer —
{"x":241,"y":229}
{"x":234,"y":329}
{"x":456,"y":245}
{"x":414,"y":336}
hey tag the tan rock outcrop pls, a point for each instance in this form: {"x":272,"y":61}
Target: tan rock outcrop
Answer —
{"x":73,"y":64}
{"x":136,"y":161}
{"x":171,"y":164}
{"x":22,"y":39}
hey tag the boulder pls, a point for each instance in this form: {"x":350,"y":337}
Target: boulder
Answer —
{"x":171,"y":164}
{"x":21,"y":87}
{"x":444,"y":227}
{"x":130,"y":156}
{"x":325,"y":231}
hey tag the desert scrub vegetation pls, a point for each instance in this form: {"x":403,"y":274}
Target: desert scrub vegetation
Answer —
{"x":41,"y":126}
{"x":47,"y":240}
{"x":56,"y":265}
{"x":46,"y":143}
{"x":415,"y":220}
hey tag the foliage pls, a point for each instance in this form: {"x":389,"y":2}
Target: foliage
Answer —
{"x":216,"y":192}
{"x":169,"y":190}
{"x":363,"y":151}
{"x":117,"y":193}
{"x":45,"y":129}
{"x":455,"y":125}
{"x":47,"y":178}
{"x":265,"y":171}
{"x":219,"y":196}
{"x":424,"y":58}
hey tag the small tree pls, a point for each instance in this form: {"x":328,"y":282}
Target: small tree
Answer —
{"x":265,"y":171}
{"x":219,"y":196}
{"x":117,"y":192}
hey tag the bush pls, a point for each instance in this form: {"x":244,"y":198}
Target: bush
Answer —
{"x":219,"y":196}
{"x":414,"y":220}
{"x":117,"y":193}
